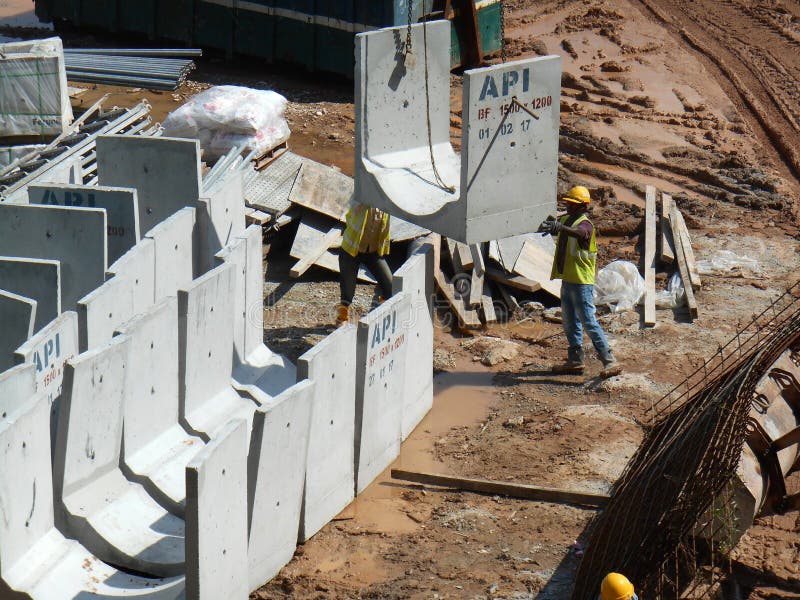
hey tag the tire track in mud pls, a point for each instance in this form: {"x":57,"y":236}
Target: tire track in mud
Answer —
{"x":756,"y":55}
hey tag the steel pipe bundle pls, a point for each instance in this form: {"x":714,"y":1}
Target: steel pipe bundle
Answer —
{"x":152,"y":69}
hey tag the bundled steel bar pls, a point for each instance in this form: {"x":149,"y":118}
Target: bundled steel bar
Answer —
{"x":115,"y":121}
{"x":142,"y":71}
{"x":669,"y":490}
{"x":137,"y":51}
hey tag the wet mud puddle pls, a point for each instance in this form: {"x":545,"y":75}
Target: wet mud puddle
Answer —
{"x":462,"y":397}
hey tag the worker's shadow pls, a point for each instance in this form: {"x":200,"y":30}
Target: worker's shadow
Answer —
{"x":559,"y":585}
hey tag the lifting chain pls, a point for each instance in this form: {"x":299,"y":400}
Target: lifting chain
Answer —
{"x":408,"y":31}
{"x":502,"y":30}
{"x":439,"y":181}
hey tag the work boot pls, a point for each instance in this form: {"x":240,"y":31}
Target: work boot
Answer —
{"x":610,"y":365}
{"x":573,"y":364}
{"x":342,"y":314}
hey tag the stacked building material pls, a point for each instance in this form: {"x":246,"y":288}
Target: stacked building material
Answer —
{"x":153,"y":69}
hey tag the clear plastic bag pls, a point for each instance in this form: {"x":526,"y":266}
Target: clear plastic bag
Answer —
{"x":228,"y":116}
{"x":672,"y":297}
{"x":619,"y":286}
{"x":724,"y":262}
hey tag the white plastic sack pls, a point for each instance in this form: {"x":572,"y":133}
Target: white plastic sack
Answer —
{"x":34,"y":99}
{"x":724,"y":262}
{"x":671,"y":297}
{"x":227,"y":116}
{"x":619,"y":286}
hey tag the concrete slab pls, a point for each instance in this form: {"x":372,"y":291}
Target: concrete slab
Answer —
{"x":121,"y":206}
{"x":503,"y":146}
{"x":330,"y":476}
{"x":76,"y":237}
{"x":164,"y":171}
{"x":37,"y":562}
{"x":17,"y":387}
{"x":380,"y":385}
{"x":156,"y":448}
{"x":48,"y":351}
{"x":102,"y":311}
{"x":220,"y":218}
{"x":17,"y":318}
{"x":174,"y":252}
{"x":205,"y":320}
{"x":258,"y":371}
{"x":415,"y":279}
{"x":112,"y":517}
{"x":36,"y":279}
{"x":276,"y":472}
{"x":216,"y":518}
{"x":139,"y":265}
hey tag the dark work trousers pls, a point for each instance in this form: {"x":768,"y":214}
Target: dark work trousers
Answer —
{"x":348,"y":273}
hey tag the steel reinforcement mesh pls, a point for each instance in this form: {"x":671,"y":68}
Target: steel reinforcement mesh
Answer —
{"x":669,"y":525}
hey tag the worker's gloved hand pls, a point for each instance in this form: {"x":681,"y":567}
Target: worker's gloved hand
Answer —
{"x":549,"y":225}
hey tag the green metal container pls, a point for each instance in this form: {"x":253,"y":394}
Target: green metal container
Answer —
{"x":213,"y":25}
{"x":175,"y":21}
{"x":255,"y":29}
{"x":98,"y":13}
{"x":138,"y":17}
{"x":314,"y":34}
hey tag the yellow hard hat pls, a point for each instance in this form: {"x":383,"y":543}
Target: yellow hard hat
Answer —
{"x":616,"y":587}
{"x":579,"y":195}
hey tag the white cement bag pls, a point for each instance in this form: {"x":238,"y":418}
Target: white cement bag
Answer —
{"x":228,"y":116}
{"x":619,"y":286}
{"x":34,"y":99}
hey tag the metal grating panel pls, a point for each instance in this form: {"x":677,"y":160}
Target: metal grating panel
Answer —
{"x":269,"y":189}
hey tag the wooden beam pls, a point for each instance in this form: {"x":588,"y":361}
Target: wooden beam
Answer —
{"x":478,"y":270}
{"x":650,"y":257}
{"x":516,"y":281}
{"x":680,"y":256}
{"x":487,"y":303}
{"x":301,"y":266}
{"x":467,"y":24}
{"x":465,"y":255}
{"x":667,"y":252}
{"x":503,"y":488}
{"x":691,"y":263}
{"x":466,"y":317}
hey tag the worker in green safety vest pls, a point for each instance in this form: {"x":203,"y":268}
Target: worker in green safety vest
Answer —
{"x":575,"y":262}
{"x":365,"y":241}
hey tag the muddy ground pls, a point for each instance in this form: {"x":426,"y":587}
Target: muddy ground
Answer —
{"x":699,"y":98}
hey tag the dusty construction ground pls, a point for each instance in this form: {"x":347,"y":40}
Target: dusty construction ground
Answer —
{"x":699,"y":98}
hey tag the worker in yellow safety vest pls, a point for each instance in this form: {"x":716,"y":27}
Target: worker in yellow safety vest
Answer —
{"x":575,"y":262}
{"x":617,"y":587}
{"x":365,"y":241}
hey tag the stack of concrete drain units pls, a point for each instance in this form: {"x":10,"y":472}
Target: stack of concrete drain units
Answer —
{"x":150,"y":444}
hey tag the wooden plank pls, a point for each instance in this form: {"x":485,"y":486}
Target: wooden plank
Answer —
{"x":451,"y":248}
{"x":650,"y":257}
{"x":680,"y":256}
{"x":667,"y":252}
{"x":323,"y":189}
{"x":688,"y":252}
{"x":504,"y":488}
{"x":466,"y":317}
{"x":253,"y":216}
{"x":332,"y":237}
{"x":511,"y":302}
{"x":516,"y":281}
{"x":487,"y":303}
{"x":464,"y":255}
{"x":478,"y":270}
{"x":535,"y":263}
{"x":262,"y":162}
